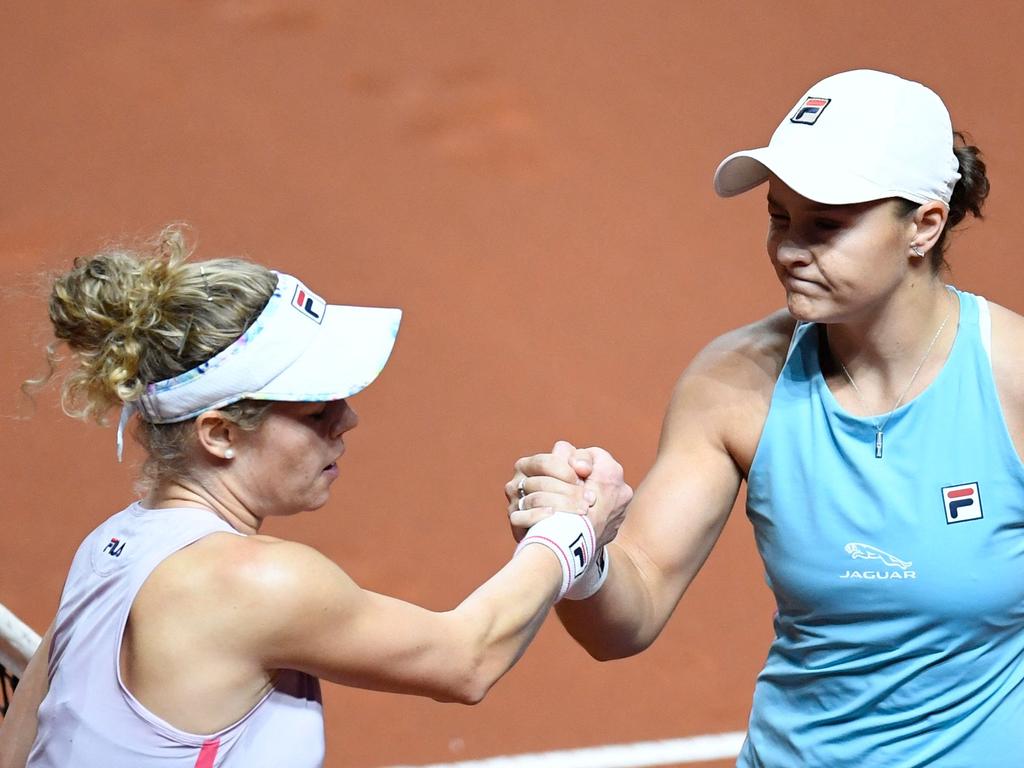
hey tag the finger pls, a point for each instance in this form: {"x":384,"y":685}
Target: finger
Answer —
{"x":523,"y":520}
{"x":545,"y":484}
{"x":578,"y":501}
{"x":512,"y":486}
{"x":559,"y":502}
{"x":545,"y":464}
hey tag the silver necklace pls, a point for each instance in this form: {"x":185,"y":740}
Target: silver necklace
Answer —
{"x":880,"y":427}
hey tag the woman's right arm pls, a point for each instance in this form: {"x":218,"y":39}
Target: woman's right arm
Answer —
{"x":307,"y":614}
{"x":708,"y":437}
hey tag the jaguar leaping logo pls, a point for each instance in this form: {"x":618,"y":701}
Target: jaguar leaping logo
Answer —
{"x":866,"y":552}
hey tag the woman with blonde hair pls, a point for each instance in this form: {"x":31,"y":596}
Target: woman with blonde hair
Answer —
{"x":184,"y":637}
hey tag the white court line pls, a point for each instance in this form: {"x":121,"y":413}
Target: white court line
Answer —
{"x":642,"y":754}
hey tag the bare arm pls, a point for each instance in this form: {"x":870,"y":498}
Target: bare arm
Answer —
{"x":325,"y":624}
{"x":18,"y":728}
{"x":335,"y":630}
{"x":709,"y":435}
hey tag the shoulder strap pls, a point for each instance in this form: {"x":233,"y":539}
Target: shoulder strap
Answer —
{"x":985,"y":326}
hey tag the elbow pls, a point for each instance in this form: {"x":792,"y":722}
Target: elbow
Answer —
{"x":615,"y":652}
{"x":472,"y":695}
{"x":471,"y":674}
{"x":470,"y":687}
{"x":606,"y":647}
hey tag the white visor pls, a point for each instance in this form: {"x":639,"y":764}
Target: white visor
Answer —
{"x":299,"y":348}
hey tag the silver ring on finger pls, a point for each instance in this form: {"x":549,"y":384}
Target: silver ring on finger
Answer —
{"x":519,"y":503}
{"x":521,"y":489}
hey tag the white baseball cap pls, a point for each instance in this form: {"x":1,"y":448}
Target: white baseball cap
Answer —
{"x":853,"y":137}
{"x":299,"y":348}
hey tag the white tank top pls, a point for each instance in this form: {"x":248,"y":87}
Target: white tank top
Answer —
{"x":89,"y":719}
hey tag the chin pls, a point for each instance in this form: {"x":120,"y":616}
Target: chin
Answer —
{"x":317,"y":503}
{"x":807,"y":310}
{"x":801,"y":309}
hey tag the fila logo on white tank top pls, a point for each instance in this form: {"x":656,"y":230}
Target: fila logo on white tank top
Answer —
{"x":897,"y":569}
{"x":114,"y":547}
{"x":962,"y":503}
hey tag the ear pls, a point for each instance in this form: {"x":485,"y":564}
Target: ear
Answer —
{"x":929,"y":221}
{"x":216,"y":435}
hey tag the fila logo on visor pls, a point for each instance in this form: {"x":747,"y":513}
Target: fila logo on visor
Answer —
{"x":308,"y":303}
{"x":962,"y":502}
{"x":809,"y":112}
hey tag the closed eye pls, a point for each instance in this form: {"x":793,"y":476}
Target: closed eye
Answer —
{"x":318,"y":415}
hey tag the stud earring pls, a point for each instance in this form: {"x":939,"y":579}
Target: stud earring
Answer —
{"x":229,"y":453}
{"x":916,"y":250}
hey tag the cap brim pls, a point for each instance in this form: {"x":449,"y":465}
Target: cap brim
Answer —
{"x":822,"y":182}
{"x":349,"y":352}
{"x":740,"y":171}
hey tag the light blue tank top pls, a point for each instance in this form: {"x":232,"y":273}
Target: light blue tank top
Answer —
{"x":899,"y":636}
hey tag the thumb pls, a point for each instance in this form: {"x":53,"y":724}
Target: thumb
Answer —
{"x":582,"y":461}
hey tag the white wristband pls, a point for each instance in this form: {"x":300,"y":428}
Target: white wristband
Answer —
{"x":571,"y":537}
{"x":592,"y":579}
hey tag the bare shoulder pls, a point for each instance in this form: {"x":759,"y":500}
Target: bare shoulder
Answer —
{"x":256,"y":576}
{"x":1008,"y":361}
{"x":737,"y":366}
{"x":265,"y":566}
{"x":761,"y":344}
{"x":727,"y":388}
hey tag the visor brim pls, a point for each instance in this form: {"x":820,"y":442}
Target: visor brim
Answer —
{"x":349,"y":352}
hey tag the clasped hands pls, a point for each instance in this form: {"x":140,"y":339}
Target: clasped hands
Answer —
{"x":583,"y":481}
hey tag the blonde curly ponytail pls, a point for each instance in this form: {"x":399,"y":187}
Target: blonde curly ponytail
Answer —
{"x":133,"y":317}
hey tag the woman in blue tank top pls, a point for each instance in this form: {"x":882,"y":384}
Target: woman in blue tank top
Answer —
{"x":879,"y":423}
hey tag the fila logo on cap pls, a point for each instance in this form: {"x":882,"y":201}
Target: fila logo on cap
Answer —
{"x":962,"y":502}
{"x":308,"y":303}
{"x":809,"y":112}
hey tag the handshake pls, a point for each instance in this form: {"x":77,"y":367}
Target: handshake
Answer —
{"x":571,"y":501}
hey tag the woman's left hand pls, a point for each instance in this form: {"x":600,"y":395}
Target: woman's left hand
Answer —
{"x":584,"y":481}
{"x":546,"y":483}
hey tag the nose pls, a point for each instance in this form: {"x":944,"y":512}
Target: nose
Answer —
{"x":345,"y":419}
{"x":790,"y":253}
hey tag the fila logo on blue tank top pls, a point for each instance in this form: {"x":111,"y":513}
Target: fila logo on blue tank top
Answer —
{"x":962,"y":503}
{"x":114,"y":547}
{"x":897,"y":569}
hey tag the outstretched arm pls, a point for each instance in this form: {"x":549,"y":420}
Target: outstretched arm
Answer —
{"x":325,"y":624}
{"x":709,"y":434}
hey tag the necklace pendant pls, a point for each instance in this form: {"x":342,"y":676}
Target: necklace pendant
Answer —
{"x":878,"y":444}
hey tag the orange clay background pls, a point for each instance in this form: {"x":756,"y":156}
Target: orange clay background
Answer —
{"x":531,"y":182}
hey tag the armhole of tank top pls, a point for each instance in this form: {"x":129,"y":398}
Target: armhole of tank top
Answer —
{"x":141,"y":710}
{"x":985,"y":327}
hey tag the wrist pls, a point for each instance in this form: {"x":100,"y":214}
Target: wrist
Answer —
{"x":592,"y":579}
{"x":572,"y":540}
